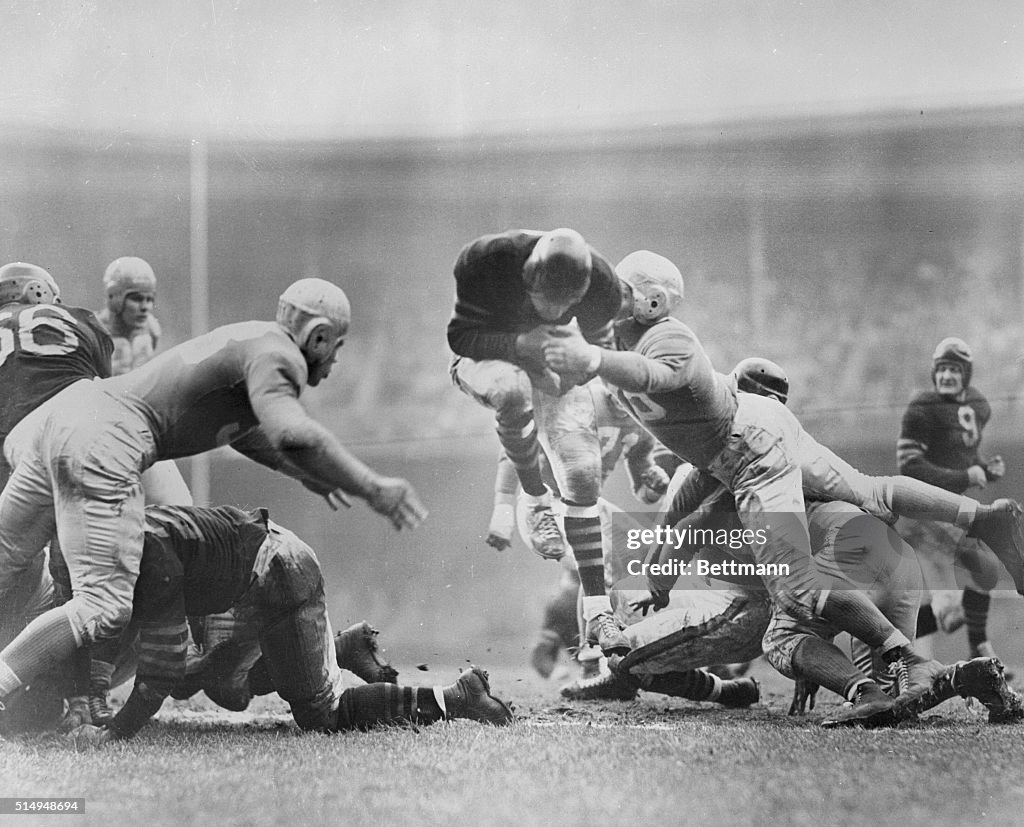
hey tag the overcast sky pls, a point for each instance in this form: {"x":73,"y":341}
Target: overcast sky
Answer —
{"x":302,"y":68}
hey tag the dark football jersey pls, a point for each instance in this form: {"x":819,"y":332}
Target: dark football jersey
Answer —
{"x":492,"y":306}
{"x":215,"y":547}
{"x":43,"y":349}
{"x":940,"y":437}
{"x":194,"y":561}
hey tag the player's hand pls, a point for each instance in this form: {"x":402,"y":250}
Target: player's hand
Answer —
{"x":977,"y":477}
{"x":499,"y":532}
{"x":530,"y":345}
{"x":995,"y":468}
{"x":567,"y":352}
{"x":546,"y":381}
{"x":396,"y":499}
{"x":653,"y":484}
{"x":656,"y":600}
{"x":804,"y":695}
{"x":88,"y":735}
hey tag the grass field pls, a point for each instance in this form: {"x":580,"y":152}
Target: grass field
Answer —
{"x":651,"y":761}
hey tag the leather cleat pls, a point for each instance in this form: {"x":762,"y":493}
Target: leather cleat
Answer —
{"x":604,"y":630}
{"x":985,"y":650}
{"x":544,"y":655}
{"x":356,"y":650}
{"x":607,"y":686}
{"x":470,"y":697}
{"x":872,"y":708}
{"x":984,"y":679}
{"x":546,"y":538}
{"x":739,"y":693}
{"x":998,"y":526}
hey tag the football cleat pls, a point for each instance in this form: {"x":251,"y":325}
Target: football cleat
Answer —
{"x":356,"y":650}
{"x":998,"y":526}
{"x":604,"y":687}
{"x":545,"y":535}
{"x":985,"y":650}
{"x":77,"y":714}
{"x":604,"y":630}
{"x":544,"y":655}
{"x":871,"y":708}
{"x":739,"y":693}
{"x":984,"y":679}
{"x":470,"y":697}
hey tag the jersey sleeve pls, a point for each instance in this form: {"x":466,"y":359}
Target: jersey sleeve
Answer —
{"x":477,"y":328}
{"x":601,"y":305}
{"x":912,"y":447}
{"x":274,"y":382}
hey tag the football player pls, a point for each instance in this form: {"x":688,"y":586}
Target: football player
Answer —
{"x":509,"y":288}
{"x":852,"y":551}
{"x":130,"y":287}
{"x":45,"y":346}
{"x":759,"y":451}
{"x":202,"y":561}
{"x":620,"y":439}
{"x":129,"y":284}
{"x":77,"y":460}
{"x":940,"y":443}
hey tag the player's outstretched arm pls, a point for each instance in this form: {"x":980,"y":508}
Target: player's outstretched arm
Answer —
{"x":326,"y":465}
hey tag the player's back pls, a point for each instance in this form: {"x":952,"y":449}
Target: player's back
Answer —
{"x":216,"y":547}
{"x":197,"y":395}
{"x":44,"y":348}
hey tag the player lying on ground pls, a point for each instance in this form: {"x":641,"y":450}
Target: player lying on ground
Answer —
{"x":756,"y":448}
{"x":201,"y":561}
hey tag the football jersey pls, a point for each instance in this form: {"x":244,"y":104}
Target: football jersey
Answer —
{"x":686,"y":404}
{"x":199,"y":395}
{"x":940,"y":437}
{"x":43,"y":349}
{"x":194,"y":561}
{"x":215,"y":547}
{"x":132,"y":350}
{"x":492,"y":306}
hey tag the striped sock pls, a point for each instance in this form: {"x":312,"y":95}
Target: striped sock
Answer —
{"x":518,"y":437}
{"x":584,"y":537}
{"x":693,"y":684}
{"x":364,"y":707}
{"x":976,"y":605}
{"x":824,"y":663}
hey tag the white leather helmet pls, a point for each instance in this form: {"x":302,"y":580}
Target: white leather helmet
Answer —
{"x":656,"y":283}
